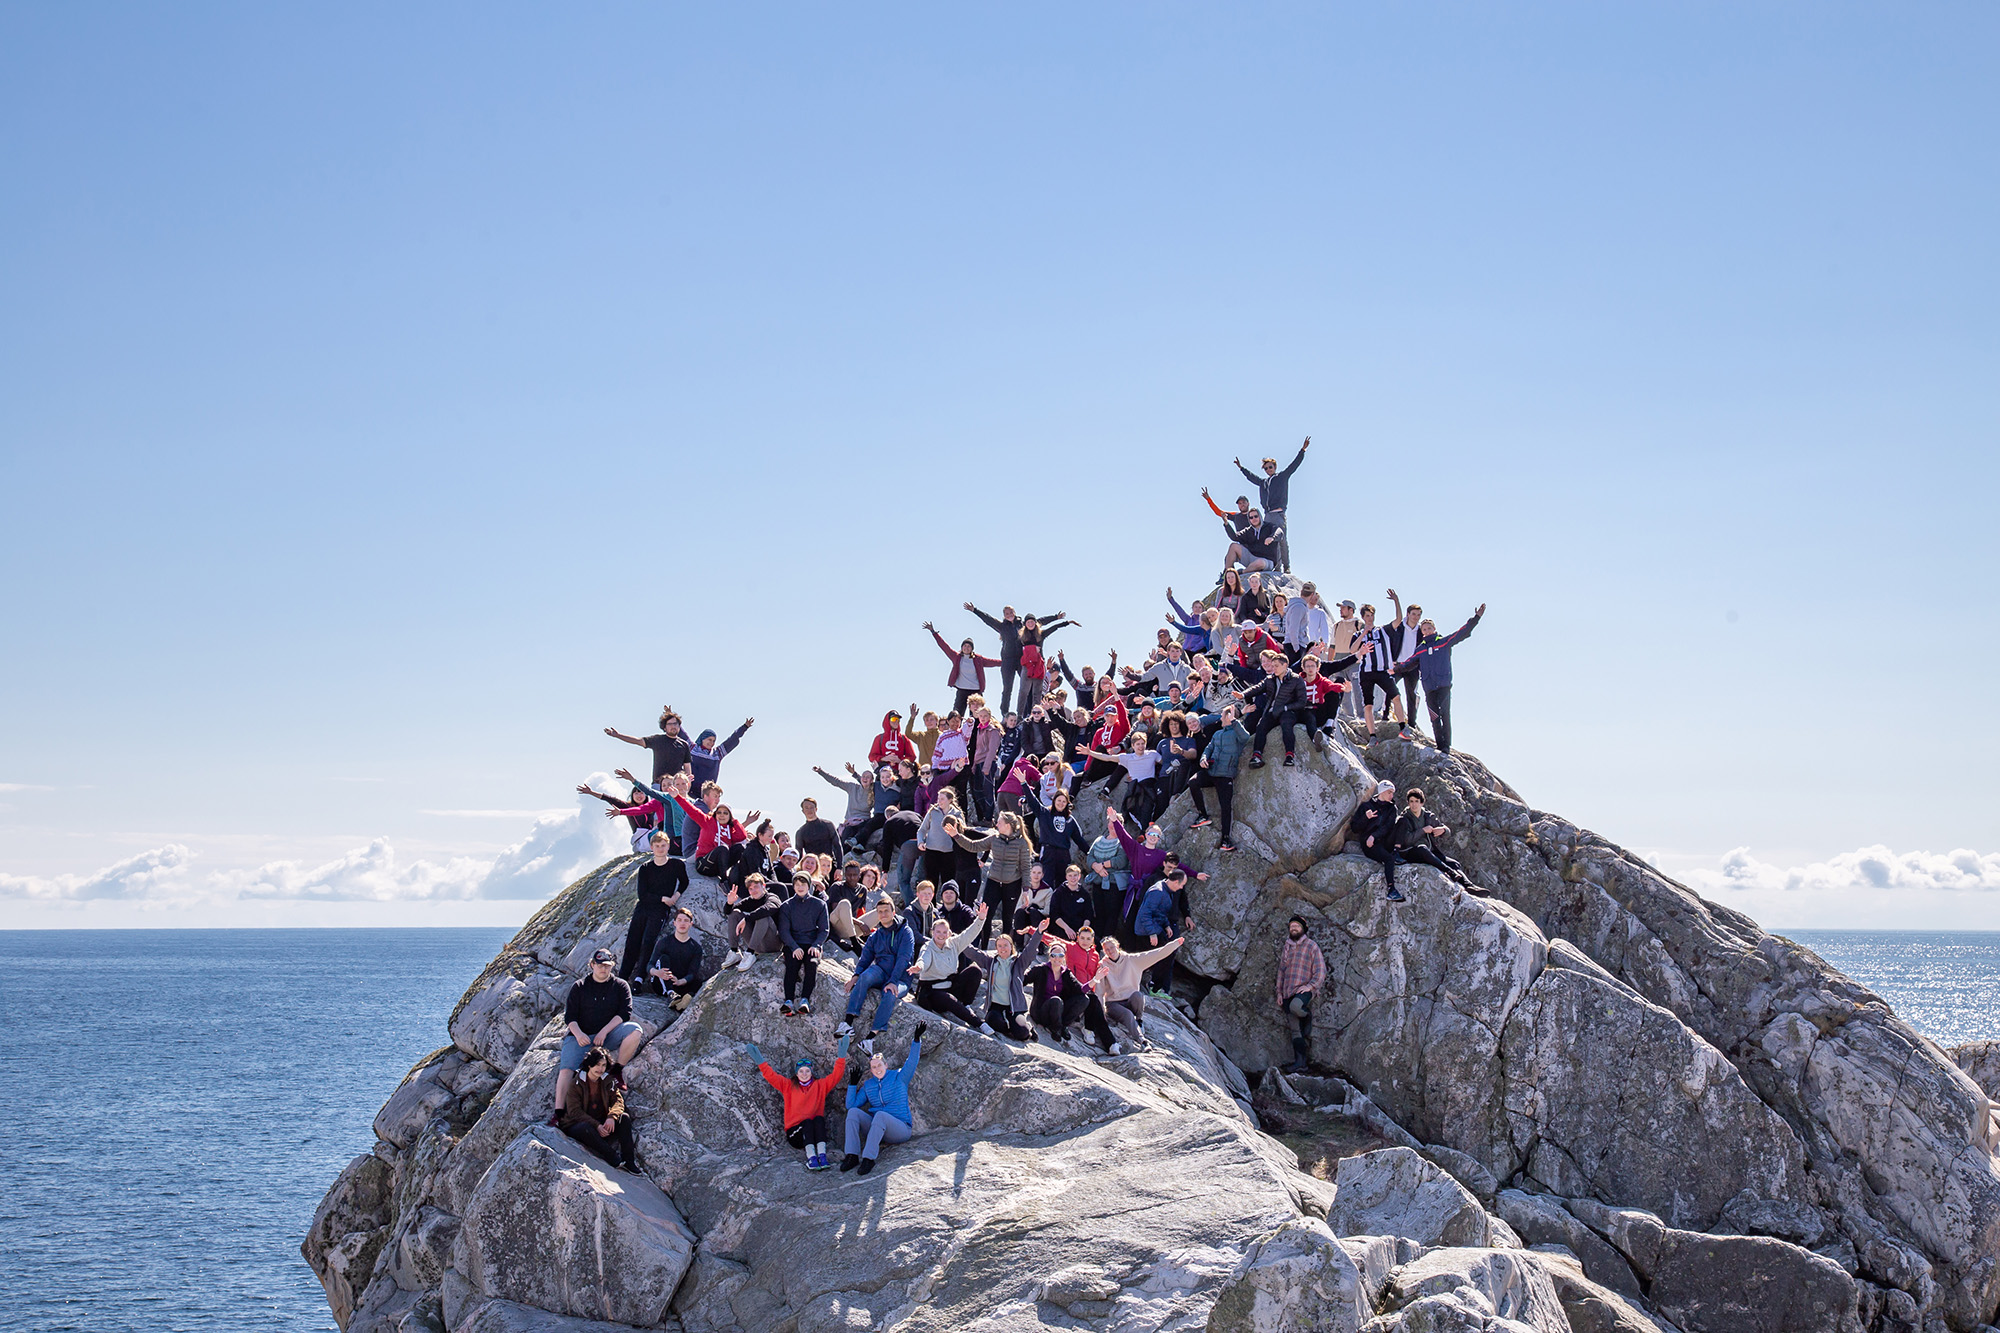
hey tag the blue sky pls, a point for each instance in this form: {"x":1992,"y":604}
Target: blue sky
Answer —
{"x":391,"y":399}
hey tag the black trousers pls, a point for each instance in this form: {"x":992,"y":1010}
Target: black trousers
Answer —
{"x":810,"y":1130}
{"x":1286,"y":721}
{"x":1225,"y":792}
{"x":1001,"y":1019}
{"x":615,"y":1147}
{"x":1099,"y":769}
{"x":648,"y":919}
{"x":1385,"y":856}
{"x":1408,"y":677}
{"x":1056,"y":1015}
{"x":1008,"y":672}
{"x":1000,"y":897}
{"x":1424,"y":856}
{"x":1438,"y":702}
{"x":801,"y":976}
{"x":958,"y":700}
{"x":715,"y":862}
{"x":1107,"y":911}
{"x":1161,"y":974}
{"x":1143,"y":800}
{"x":1326,"y":710}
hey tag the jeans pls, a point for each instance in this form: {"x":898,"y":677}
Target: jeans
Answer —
{"x":868,"y":1131}
{"x":873,"y":977}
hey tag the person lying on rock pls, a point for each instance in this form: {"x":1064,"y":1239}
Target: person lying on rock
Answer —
{"x":677,"y":960}
{"x":884,"y":963}
{"x":937,"y":969}
{"x":878,"y":1110}
{"x":1301,"y":972}
{"x":598,"y":1012}
{"x":593,"y":1111}
{"x":805,"y":1102}
{"x":1119,"y":974}
{"x":1374,"y":827}
{"x":803,"y":930}
{"x":1414,"y":838}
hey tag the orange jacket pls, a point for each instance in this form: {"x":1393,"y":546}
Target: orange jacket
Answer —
{"x":803,"y":1101}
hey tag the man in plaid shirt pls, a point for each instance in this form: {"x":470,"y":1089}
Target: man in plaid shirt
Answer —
{"x":1301,"y":972}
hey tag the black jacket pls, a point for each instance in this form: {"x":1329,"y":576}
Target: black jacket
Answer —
{"x":1072,"y":909}
{"x":1280,"y":693}
{"x":817,"y":835}
{"x":1274,"y":491}
{"x":1010,"y":634}
{"x":1376,"y":819}
{"x":802,"y":922}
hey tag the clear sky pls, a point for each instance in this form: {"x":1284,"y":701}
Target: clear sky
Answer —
{"x":391,"y":398}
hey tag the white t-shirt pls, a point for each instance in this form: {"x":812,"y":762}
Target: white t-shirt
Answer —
{"x":1142,"y":765}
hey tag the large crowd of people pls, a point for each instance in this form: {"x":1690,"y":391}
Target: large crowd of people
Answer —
{"x":958,"y":875}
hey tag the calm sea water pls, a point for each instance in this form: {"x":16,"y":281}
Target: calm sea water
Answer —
{"x":182,"y":1100}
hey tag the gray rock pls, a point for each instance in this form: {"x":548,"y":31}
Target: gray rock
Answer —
{"x":507,"y":1317}
{"x":1541,"y":1219}
{"x":1297,"y":1278}
{"x":1589,"y":1306}
{"x":1394,"y":1192}
{"x":1802,"y":1224}
{"x":1981,"y":1062}
{"x":348,"y":1231}
{"x":1477,"y":1290}
{"x":1749,"y":1284}
{"x":551,"y":1226}
{"x":1466,"y":1169}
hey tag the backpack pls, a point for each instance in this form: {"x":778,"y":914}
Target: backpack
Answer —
{"x":1031,"y":662}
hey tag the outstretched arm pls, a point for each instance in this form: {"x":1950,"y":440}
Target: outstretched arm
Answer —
{"x":618,"y":735}
{"x":1217,"y":509}
{"x":1248,"y":475}
{"x":991,"y":623}
{"x":1294,"y":465}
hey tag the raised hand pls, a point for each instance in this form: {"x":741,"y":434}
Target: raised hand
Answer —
{"x":969,"y":606}
{"x":929,"y":626}
{"x":1481,"y":611}
{"x":624,"y":773}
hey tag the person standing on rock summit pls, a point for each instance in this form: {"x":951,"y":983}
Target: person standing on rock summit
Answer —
{"x":1274,"y":494}
{"x":1434,"y":672}
{"x":597,"y":1012}
{"x":659,"y":883}
{"x":1008,"y":627}
{"x":1301,"y":972}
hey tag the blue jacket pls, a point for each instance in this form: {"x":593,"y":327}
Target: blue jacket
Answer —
{"x":891,"y":1092}
{"x":1225,"y":749}
{"x":1434,"y":659}
{"x":890,"y":949}
{"x":1156,"y":911}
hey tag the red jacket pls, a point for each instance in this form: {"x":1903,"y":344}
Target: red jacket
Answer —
{"x":706,"y":823}
{"x":1116,"y":725}
{"x":892,"y":744}
{"x":1321,"y":686}
{"x":979,"y":664}
{"x":803,"y":1101}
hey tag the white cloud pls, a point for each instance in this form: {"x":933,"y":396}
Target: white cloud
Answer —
{"x":24,"y":786}
{"x":560,"y":846}
{"x":1870,"y":868}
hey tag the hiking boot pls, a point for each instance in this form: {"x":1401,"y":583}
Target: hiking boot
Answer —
{"x":867,"y":1165}
{"x":849,"y":1162}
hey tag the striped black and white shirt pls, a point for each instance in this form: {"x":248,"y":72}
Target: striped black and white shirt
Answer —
{"x":1377,"y":652}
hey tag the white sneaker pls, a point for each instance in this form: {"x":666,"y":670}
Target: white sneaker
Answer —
{"x":987,"y":1028}
{"x":729,"y":960}
{"x":1116,"y":1049}
{"x":744,"y":965}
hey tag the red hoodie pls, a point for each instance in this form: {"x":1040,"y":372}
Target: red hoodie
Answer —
{"x":892,"y":744}
{"x":706,"y":823}
{"x":804,"y":1101}
{"x":1116,"y":727}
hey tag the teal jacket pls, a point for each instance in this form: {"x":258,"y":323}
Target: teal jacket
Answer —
{"x":1225,"y":749}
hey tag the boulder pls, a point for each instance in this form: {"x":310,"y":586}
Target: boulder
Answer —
{"x":348,"y":1231}
{"x":1462,"y":1290}
{"x":508,"y":1317}
{"x":551,"y":1226}
{"x":1541,"y":1219}
{"x":1589,"y":1306}
{"x":1297,"y":1278}
{"x":1981,"y":1062}
{"x":1394,"y":1192}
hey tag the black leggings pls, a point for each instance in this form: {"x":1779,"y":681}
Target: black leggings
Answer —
{"x":812,"y":1130}
{"x":1001,"y":897}
{"x":615,"y":1147}
{"x":1225,"y":792}
{"x":1097,"y":770}
{"x":801,"y":976}
{"x":940,"y":868}
{"x":1408,"y":676}
{"x":648,"y":919}
{"x":939,"y":998}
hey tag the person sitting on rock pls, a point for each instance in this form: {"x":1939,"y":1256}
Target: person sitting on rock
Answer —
{"x":593,"y":1111}
{"x":1006,"y":973}
{"x":1281,"y":701}
{"x":1325,"y":689}
{"x":752,"y":923}
{"x":1118,"y":978}
{"x":804,"y":1100}
{"x":1301,"y":972}
{"x":803,"y":930}
{"x":884,"y":963}
{"x":717,"y":832}
{"x":1219,"y":763}
{"x":1414,"y":838}
{"x":1037,"y":900}
{"x":1070,"y":904}
{"x":878,"y":1109}
{"x":952,"y":908}
{"x":1374,"y":827}
{"x":597,"y":1012}
{"x":937,"y":969}
{"x":677,"y":961}
{"x":1060,"y":1001}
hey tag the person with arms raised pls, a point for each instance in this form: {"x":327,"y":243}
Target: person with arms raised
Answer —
{"x":1274,"y":492}
{"x":968,"y":669}
{"x":670,"y":749}
{"x":1119,"y":976}
{"x":937,"y":968}
{"x":1009,"y":627}
{"x":804,"y":1099}
{"x":878,"y":1112}
{"x":1434,"y":671}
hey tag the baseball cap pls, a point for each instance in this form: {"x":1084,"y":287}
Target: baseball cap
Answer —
{"x":603,"y":956}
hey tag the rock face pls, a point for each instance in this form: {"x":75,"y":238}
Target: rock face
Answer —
{"x":1699,"y":1125}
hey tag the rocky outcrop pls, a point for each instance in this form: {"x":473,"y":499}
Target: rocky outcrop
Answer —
{"x":1691,"y":1121}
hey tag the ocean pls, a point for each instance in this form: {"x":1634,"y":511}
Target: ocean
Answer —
{"x":184,"y":1098}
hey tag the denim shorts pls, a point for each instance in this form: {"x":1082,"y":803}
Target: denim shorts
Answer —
{"x":572,"y":1054}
